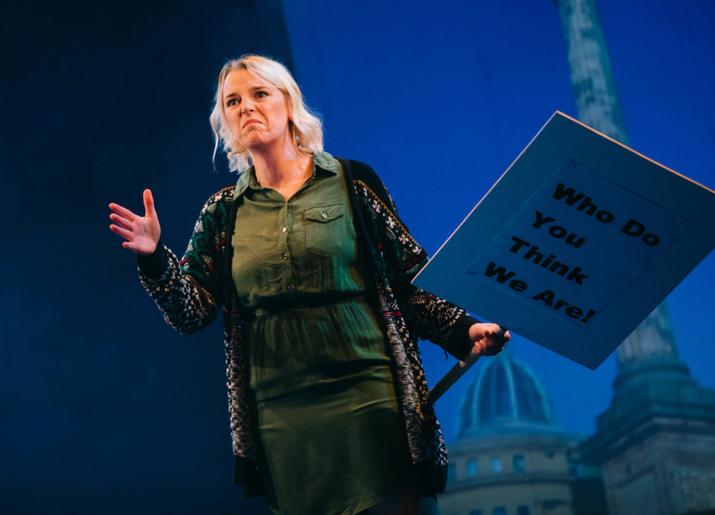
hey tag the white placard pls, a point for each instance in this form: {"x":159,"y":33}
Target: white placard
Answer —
{"x":577,"y":242}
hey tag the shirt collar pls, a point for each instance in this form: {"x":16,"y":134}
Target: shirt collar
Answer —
{"x":322,"y":162}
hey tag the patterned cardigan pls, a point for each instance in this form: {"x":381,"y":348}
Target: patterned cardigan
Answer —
{"x":189,"y":293}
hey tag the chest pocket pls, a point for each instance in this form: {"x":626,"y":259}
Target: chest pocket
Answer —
{"x":324,"y":229}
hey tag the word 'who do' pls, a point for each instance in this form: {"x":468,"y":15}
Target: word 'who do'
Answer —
{"x":585,"y":204}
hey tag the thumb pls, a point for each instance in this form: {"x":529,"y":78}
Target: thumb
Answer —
{"x":149,"y":210}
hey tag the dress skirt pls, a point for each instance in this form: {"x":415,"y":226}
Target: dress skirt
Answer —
{"x":332,"y":437}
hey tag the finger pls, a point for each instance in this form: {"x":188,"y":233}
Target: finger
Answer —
{"x":149,"y":203}
{"x":120,"y":220}
{"x":121,"y":210}
{"x":127,"y":235}
{"x":130,"y":245}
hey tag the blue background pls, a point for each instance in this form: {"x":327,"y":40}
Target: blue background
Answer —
{"x":104,"y":408}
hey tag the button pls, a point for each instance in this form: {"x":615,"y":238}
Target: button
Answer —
{"x":324,"y":214}
{"x":284,"y":229}
{"x":285,"y":256}
{"x":291,"y":288}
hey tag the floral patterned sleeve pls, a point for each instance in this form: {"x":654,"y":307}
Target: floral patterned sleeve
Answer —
{"x":429,"y":316}
{"x":187,"y":291}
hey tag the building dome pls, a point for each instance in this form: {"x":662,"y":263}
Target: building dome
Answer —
{"x":504,"y":397}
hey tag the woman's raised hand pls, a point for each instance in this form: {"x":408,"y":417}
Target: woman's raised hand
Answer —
{"x":141,"y":232}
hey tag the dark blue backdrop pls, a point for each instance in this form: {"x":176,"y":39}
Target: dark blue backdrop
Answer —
{"x":104,"y":408}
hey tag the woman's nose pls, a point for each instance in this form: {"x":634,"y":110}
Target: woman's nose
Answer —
{"x":247,"y":106}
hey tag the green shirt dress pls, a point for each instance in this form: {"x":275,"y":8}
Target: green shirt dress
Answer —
{"x":332,"y":438}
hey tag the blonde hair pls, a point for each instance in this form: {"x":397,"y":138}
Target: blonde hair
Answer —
{"x":306,"y":129}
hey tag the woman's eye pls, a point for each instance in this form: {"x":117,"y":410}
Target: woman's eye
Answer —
{"x":233,"y":102}
{"x":261,"y":94}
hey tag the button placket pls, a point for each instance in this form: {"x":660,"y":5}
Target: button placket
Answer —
{"x":288,"y":268}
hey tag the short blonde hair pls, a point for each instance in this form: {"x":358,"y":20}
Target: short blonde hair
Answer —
{"x":306,"y":129}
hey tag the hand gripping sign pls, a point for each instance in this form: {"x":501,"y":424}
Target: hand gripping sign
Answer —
{"x":578,"y":241}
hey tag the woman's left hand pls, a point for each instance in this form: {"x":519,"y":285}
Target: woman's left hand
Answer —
{"x":488,"y":339}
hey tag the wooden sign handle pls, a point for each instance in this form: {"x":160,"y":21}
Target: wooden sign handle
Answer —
{"x":456,"y":372}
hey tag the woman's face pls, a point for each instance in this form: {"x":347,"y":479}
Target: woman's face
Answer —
{"x":256,"y":111}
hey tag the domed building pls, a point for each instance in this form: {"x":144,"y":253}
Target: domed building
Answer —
{"x":510,"y":456}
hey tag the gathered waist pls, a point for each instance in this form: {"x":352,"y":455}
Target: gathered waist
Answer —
{"x":278,"y":305}
{"x":311,"y":342}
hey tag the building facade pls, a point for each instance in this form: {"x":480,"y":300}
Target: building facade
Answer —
{"x":655,"y":443}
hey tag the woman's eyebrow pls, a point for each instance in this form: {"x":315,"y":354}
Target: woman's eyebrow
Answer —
{"x":234,"y":94}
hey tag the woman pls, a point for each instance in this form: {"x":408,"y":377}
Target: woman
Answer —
{"x":312,"y":267}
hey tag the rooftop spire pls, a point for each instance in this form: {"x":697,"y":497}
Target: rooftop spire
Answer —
{"x":598,"y":106}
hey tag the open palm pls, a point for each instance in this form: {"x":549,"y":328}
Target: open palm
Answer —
{"x":140,"y":232}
